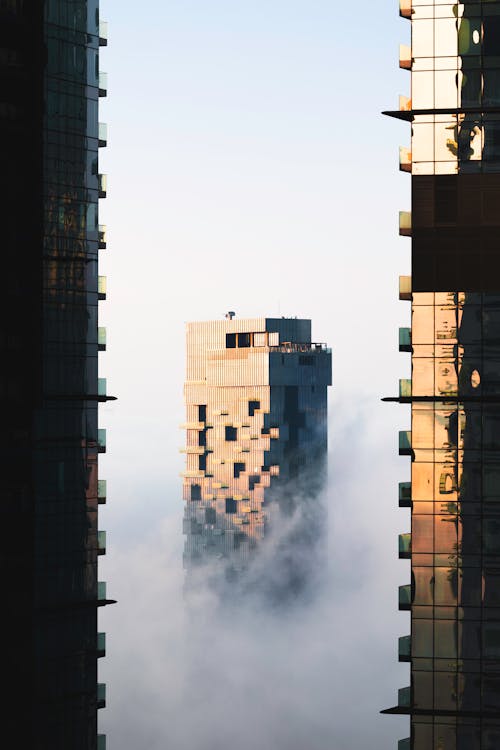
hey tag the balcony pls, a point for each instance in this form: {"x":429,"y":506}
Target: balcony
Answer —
{"x":101,"y":339}
{"x":101,"y":644}
{"x":402,"y":744}
{"x":103,"y":33}
{"x":101,"y":386}
{"x":101,"y":695}
{"x":103,"y":185}
{"x":404,"y":159}
{"x":405,"y":57}
{"x":101,"y":287}
{"x":192,"y":426}
{"x":405,"y":8}
{"x":405,"y":288}
{"x":405,"y":494}
{"x":404,"y":388}
{"x":101,"y":542}
{"x":198,"y":450}
{"x":101,"y":491}
{"x":102,"y":236}
{"x":103,"y":83}
{"x":101,"y":440}
{"x":405,"y":223}
{"x":404,"y":697}
{"x":405,"y":442}
{"x":404,"y":541}
{"x":404,"y":103}
{"x":405,"y":339}
{"x":103,"y":135}
{"x":405,"y":598}
{"x":404,"y":648}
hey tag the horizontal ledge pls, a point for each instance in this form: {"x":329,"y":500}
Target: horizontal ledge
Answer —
{"x":80,"y":397}
{"x":405,"y":710}
{"x":442,"y":399}
{"x":409,"y":114}
{"x":76,"y":605}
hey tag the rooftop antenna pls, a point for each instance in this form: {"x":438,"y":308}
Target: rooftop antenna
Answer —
{"x":230,"y":315}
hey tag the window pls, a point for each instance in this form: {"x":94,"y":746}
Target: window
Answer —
{"x":253,"y":480}
{"x":244,"y":340}
{"x":202,"y":437}
{"x":210,"y":515}
{"x":252,"y":407}
{"x":231,"y":433}
{"x":196,"y":492}
{"x":237,"y":469}
{"x":259,"y":339}
{"x":274,"y":339}
{"x":230,"y":341}
{"x":230,"y":505}
{"x":202,"y":462}
{"x":202,"y":413}
{"x":308,"y":361}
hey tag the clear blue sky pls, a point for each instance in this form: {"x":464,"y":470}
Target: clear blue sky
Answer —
{"x":249,"y":169}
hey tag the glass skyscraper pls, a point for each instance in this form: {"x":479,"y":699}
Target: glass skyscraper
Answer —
{"x":256,"y":406}
{"x":453,"y":699}
{"x":49,"y":386}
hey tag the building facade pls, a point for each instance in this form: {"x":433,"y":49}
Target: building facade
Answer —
{"x":49,"y":386}
{"x":453,"y":699}
{"x":256,"y":441}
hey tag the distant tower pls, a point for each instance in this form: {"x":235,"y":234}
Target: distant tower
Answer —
{"x":256,"y":403}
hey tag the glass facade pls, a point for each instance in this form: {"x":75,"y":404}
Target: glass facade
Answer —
{"x":49,"y":66}
{"x":256,"y":407}
{"x":454,"y":598}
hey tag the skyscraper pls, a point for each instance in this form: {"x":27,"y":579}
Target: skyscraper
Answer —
{"x":454,"y":595}
{"x":49,"y":386}
{"x":256,"y":441}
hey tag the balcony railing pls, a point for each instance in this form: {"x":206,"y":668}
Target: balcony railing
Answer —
{"x":404,"y":388}
{"x":101,"y":287}
{"x":405,"y":597}
{"x":405,"y":8}
{"x":103,"y":83}
{"x":292,"y":346}
{"x":101,"y":695}
{"x":101,"y":338}
{"x":405,"y":288}
{"x":101,"y":491}
{"x":101,"y":542}
{"x":404,"y":648}
{"x":101,"y":644}
{"x":405,"y":494}
{"x":102,"y":236}
{"x":103,"y":33}
{"x":405,"y":339}
{"x":404,"y":543}
{"x":405,"y":56}
{"x":405,"y":442}
{"x":404,"y":697}
{"x":405,"y":223}
{"x":103,"y":185}
{"x":101,"y":440}
{"x":103,"y":134}
{"x":404,"y":159}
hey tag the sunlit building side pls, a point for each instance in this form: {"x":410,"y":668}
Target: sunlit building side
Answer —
{"x":49,"y":385}
{"x":453,"y":597}
{"x":256,"y":441}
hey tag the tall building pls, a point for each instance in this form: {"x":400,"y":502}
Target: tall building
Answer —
{"x":256,"y":441}
{"x":454,"y":595}
{"x":49,"y":386}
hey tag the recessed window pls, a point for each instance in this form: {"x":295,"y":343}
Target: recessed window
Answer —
{"x":202,"y":437}
{"x":252,"y":407}
{"x":244,"y":340}
{"x":230,"y":341}
{"x":202,"y":462}
{"x":253,"y":480}
{"x":231,"y":433}
{"x":202,"y":413}
{"x":230,"y":505}
{"x":196,"y":492}
{"x":237,"y":469}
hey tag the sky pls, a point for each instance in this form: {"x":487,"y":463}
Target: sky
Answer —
{"x":249,"y":169}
